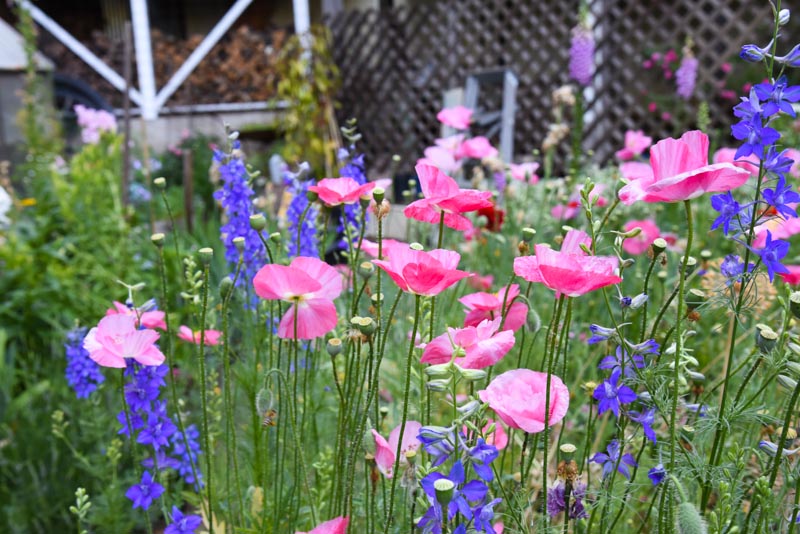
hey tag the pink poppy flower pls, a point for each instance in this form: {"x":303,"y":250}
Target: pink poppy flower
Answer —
{"x":794,"y":155}
{"x":639,"y":244}
{"x":481,"y":283}
{"x":498,"y":437}
{"x":518,"y":398}
{"x":148,"y":319}
{"x":116,"y":339}
{"x":420,"y":272}
{"x":211,"y":337}
{"x":457,"y":117}
{"x":726,"y":155}
{"x":310,"y":285}
{"x":441,"y":158}
{"x":371,"y":247}
{"x":565,"y":212}
{"x":778,"y":227}
{"x":334,"y":526}
{"x":483,"y":345}
{"x":524,"y":172}
{"x":569,"y":271}
{"x":336,"y":191}
{"x":636,"y":142}
{"x":442,"y":195}
{"x":793,"y":276}
{"x":476,"y":147}
{"x":385,"y":450}
{"x":680,"y":171}
{"x":482,"y":306}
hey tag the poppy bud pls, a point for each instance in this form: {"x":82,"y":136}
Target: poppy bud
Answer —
{"x":225,"y":287}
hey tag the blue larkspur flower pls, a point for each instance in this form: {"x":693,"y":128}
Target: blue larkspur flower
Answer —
{"x":772,"y":254}
{"x":183,"y":523}
{"x":610,"y":394}
{"x":307,"y":228}
{"x":657,"y":474}
{"x":82,"y":373}
{"x":755,"y":135}
{"x":780,"y":197}
{"x":778,"y":96}
{"x":728,"y":210}
{"x":145,"y":492}
{"x":646,"y":419}
{"x":611,"y":457}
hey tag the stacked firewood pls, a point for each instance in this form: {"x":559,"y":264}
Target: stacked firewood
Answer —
{"x":240,"y":68}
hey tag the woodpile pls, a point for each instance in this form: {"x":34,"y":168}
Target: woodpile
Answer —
{"x":240,"y":68}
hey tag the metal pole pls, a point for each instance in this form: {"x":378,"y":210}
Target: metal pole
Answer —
{"x":126,"y":106}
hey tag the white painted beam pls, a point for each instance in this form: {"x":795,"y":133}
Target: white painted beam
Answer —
{"x":80,"y":50}
{"x":144,"y":58}
{"x":302,"y":18}
{"x":200,"y":52}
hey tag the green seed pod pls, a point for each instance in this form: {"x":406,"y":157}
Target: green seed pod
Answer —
{"x":206,"y":254}
{"x":160,"y":183}
{"x":157,"y":239}
{"x":334,"y":346}
{"x":659,"y":246}
{"x":794,"y":304}
{"x":766,"y":338}
{"x":366,"y":270}
{"x":238,"y":242}
{"x":225,"y":287}
{"x":378,"y":194}
{"x":416,"y":246}
{"x":258,"y":222}
{"x":691,"y":264}
{"x":694,"y":299}
{"x":444,"y":491}
{"x":528,"y":234}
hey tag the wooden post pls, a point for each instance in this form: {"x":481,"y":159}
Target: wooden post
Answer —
{"x":188,"y":189}
{"x":126,"y":118}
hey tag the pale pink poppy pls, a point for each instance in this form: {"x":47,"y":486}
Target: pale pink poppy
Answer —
{"x":212,"y":337}
{"x":680,"y":171}
{"x":310,"y":285}
{"x":477,"y":148}
{"x":334,"y":526}
{"x":482,"y":306}
{"x":779,"y":228}
{"x":793,"y":276}
{"x":518,"y":397}
{"x":794,"y":155}
{"x":726,"y":155}
{"x":442,"y":195}
{"x":371,"y":247}
{"x":565,"y":212}
{"x":636,"y":142}
{"x":457,"y":117}
{"x":498,"y":437}
{"x":147,"y":319}
{"x":524,"y":172}
{"x":441,"y":158}
{"x":116,"y":339}
{"x":481,"y":283}
{"x":483,"y":345}
{"x":336,"y":191}
{"x":385,"y":451}
{"x":570,"y":271}
{"x":420,"y":272}
{"x":639,"y":244}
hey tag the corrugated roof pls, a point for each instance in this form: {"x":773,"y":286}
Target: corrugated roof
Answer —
{"x":12,"y":51}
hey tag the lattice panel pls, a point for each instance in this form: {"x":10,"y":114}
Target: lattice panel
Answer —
{"x":396,"y":64}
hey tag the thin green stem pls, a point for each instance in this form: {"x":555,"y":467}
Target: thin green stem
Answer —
{"x":204,"y":401}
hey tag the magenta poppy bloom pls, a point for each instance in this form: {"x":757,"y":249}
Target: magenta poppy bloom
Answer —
{"x":371,"y":247}
{"x":483,"y":345}
{"x":728,"y":155}
{"x":636,"y":142}
{"x":334,"y":526}
{"x":212,"y":337}
{"x":457,"y":117}
{"x":442,"y":195}
{"x":146,"y":319}
{"x":639,"y":244}
{"x":116,"y":339}
{"x":481,"y":306}
{"x":570,"y":271}
{"x":336,"y":191}
{"x":310,"y":285}
{"x":518,"y":397}
{"x":420,"y":272}
{"x":793,"y":276}
{"x":524,"y":172}
{"x":477,"y":147}
{"x":385,"y":450}
{"x":679,"y":170}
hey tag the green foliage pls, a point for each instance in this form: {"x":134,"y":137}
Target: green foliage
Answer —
{"x":308,"y":82}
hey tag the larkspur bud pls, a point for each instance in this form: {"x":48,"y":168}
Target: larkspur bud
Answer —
{"x":157,"y":239}
{"x":629,"y":262}
{"x":334,"y":346}
{"x":794,"y":367}
{"x":469,"y":408}
{"x":366,"y":269}
{"x":752,"y":53}
{"x":258,"y":222}
{"x":473,"y":375}
{"x":696,"y":376}
{"x":794,"y":304}
{"x":438,"y":385}
{"x":378,"y":194}
{"x":206,"y":254}
{"x":783,"y":17}
{"x":787,"y":382}
{"x":633,"y":232}
{"x":225,"y":287}
{"x":442,"y":370}
{"x":160,"y":183}
{"x":638,"y":301}
{"x":239,"y":243}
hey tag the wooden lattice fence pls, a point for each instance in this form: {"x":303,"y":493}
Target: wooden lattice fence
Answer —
{"x":397,"y":63}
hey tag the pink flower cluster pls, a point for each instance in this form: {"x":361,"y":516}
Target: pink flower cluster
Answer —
{"x":94,"y":122}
